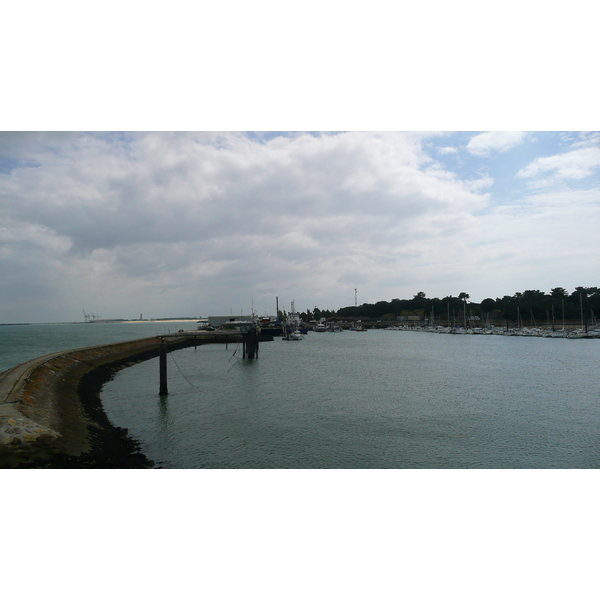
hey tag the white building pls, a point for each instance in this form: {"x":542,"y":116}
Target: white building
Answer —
{"x":219,"y":321}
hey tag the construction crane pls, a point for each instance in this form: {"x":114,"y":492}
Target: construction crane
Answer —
{"x":90,"y":317}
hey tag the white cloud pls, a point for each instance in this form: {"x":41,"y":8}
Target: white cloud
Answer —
{"x":542,"y":241}
{"x":576,"y":164}
{"x":447,"y":150}
{"x":168,"y":215}
{"x":580,"y":139}
{"x":194,"y":223}
{"x":495,"y":141}
{"x":479,"y":184}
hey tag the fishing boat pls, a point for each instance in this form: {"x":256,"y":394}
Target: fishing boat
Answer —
{"x":293,"y":323}
{"x":292,"y":335}
{"x":358,"y":327}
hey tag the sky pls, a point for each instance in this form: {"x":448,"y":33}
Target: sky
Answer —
{"x":207,"y":223}
{"x":210,"y":164}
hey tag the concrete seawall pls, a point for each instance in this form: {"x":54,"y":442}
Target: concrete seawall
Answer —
{"x":50,"y":410}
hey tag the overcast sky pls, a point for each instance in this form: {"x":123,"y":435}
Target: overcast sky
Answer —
{"x":176,"y":224}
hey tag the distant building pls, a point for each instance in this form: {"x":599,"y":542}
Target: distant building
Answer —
{"x":219,"y":321}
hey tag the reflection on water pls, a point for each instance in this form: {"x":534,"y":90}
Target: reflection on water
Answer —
{"x":376,"y":400}
{"x":163,"y":411}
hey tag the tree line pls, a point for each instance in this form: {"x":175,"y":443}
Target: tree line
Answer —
{"x":530,"y":307}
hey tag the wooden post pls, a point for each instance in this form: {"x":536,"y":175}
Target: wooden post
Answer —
{"x":162,"y":367}
{"x":251,"y":339}
{"x":251,"y":343}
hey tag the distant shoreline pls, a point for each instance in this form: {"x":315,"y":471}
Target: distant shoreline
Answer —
{"x":112,"y":321}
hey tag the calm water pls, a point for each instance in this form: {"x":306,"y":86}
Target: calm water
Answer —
{"x":381,"y":399}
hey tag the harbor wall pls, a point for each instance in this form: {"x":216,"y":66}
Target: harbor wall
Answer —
{"x":50,"y":408}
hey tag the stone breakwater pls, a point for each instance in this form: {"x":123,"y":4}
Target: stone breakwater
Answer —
{"x":20,"y":431}
{"x":50,"y":410}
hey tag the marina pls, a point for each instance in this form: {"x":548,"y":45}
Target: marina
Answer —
{"x":397,"y":399}
{"x":571,"y":333}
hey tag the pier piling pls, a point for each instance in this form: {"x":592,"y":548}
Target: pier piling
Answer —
{"x":251,"y":343}
{"x":163,"y":391}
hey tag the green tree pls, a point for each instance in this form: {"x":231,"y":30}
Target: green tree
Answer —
{"x":418,"y":301}
{"x":488,"y":305}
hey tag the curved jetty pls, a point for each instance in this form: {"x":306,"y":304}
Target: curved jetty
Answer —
{"x":50,"y":409}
